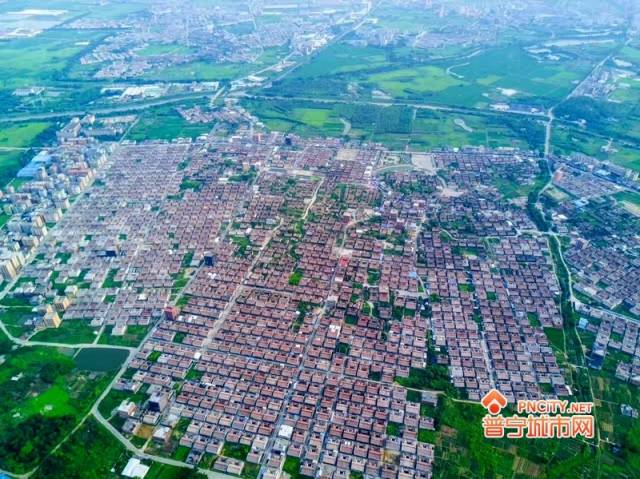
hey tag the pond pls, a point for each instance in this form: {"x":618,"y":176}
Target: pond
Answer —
{"x":101,"y":359}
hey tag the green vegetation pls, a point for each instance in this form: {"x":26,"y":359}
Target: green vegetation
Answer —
{"x":394,"y":429}
{"x":45,"y":395}
{"x":463,"y":451}
{"x":69,"y":332}
{"x":396,"y":126}
{"x":628,"y":197}
{"x":413,"y":396}
{"x":194,"y":375}
{"x":425,"y":435}
{"x":498,"y":74}
{"x":181,"y":453}
{"x":433,"y":377}
{"x":91,"y":449}
{"x":199,"y":71}
{"x":110,"y":281}
{"x":235,"y":450}
{"x":534,"y":320}
{"x":534,"y":212}
{"x":165,"y":471}
{"x":44,"y":59}
{"x":131,"y":338}
{"x":243,"y":243}
{"x":165,"y":123}
{"x":15,"y":317}
{"x":188,"y":184}
{"x":23,"y":135}
{"x":114,"y":398}
{"x":295,"y":278}
{"x":292,"y":467}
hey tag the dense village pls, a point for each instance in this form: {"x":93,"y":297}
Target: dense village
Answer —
{"x":305,"y":298}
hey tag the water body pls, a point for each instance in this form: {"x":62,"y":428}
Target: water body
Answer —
{"x":101,"y":359}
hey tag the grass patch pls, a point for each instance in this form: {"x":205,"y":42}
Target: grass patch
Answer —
{"x":69,"y":332}
{"x":235,"y":450}
{"x":295,"y":278}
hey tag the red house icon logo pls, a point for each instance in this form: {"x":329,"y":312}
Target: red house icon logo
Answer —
{"x":494,"y":401}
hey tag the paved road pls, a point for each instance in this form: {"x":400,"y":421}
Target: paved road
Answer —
{"x":548,"y":133}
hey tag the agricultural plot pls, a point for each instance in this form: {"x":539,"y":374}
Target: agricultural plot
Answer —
{"x":18,"y":136}
{"x":165,"y":123}
{"x":10,"y":163}
{"x":630,"y":202}
{"x":305,"y":118}
{"x":497,"y":74}
{"x":43,"y":60}
{"x":354,"y":121}
{"x":435,"y":129}
{"x":566,"y":141}
{"x":199,"y":71}
{"x":569,"y":140}
{"x":397,"y":127}
{"x":408,"y":19}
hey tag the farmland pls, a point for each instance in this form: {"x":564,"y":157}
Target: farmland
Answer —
{"x":165,"y":123}
{"x":397,"y":126}
{"x":20,"y":137}
{"x":501,"y":73}
{"x":43,"y":59}
{"x":198,"y":71}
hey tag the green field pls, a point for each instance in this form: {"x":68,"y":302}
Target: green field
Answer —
{"x":506,"y":73}
{"x":337,"y":59}
{"x":304,"y":118}
{"x":44,"y":395}
{"x":200,"y":71}
{"x":419,"y":81}
{"x":91,"y":449}
{"x":133,"y":336}
{"x":628,"y":196}
{"x":69,"y":332}
{"x":165,"y":123}
{"x":396,"y":127}
{"x":433,"y":129}
{"x":627,"y":157}
{"x":165,"y":471}
{"x":15,"y":317}
{"x":10,"y":164}
{"x":569,"y":140}
{"x":22,"y":135}
{"x":42,"y":60}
